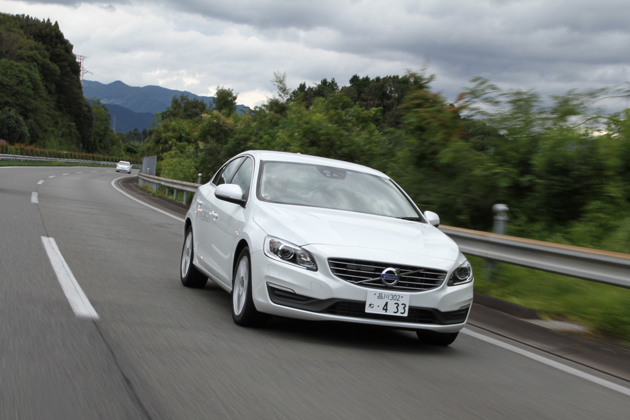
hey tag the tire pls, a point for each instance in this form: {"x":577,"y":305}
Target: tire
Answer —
{"x":436,"y":338}
{"x":188,"y":273}
{"x":244,"y":312}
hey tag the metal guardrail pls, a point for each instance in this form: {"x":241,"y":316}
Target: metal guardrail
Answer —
{"x":153,"y":181}
{"x":21,"y":158}
{"x":589,"y":264}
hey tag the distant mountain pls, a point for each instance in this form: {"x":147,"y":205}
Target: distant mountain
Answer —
{"x":130,"y":105}
{"x":124,"y":120}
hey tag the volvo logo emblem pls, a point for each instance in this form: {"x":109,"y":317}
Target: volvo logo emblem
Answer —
{"x":389,"y":277}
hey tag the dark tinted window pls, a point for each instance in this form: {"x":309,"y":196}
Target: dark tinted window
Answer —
{"x":225,"y":174}
{"x":243,"y":177}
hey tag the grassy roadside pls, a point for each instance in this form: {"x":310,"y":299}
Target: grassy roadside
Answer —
{"x":161,"y":191}
{"x":603,"y":309}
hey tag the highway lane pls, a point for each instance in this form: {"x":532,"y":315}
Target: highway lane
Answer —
{"x":52,"y":364}
{"x":162,"y":351}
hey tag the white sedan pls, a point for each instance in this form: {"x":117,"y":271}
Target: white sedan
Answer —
{"x":123,"y":166}
{"x":319,"y":239}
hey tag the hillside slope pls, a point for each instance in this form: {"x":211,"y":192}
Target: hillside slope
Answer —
{"x":151,"y":99}
{"x":135,"y":107}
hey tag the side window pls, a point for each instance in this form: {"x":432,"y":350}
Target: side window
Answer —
{"x":243,"y":177}
{"x":225,"y":174}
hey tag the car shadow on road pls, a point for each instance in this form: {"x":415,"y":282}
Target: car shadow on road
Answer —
{"x":350,"y":335}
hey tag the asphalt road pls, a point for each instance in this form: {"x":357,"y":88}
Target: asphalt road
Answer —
{"x":156,"y":350}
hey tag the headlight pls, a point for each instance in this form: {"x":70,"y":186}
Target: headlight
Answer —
{"x":290,"y":253}
{"x":462,"y":274}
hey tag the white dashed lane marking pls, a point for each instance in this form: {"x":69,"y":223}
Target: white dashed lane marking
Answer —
{"x":77,"y":299}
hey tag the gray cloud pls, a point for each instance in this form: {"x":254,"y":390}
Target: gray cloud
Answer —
{"x":532,"y":44}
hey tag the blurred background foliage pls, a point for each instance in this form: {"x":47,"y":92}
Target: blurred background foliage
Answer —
{"x":559,"y":163}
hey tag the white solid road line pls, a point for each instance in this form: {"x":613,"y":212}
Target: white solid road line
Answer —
{"x":549,"y":362}
{"x":34,"y":199}
{"x":143,"y":203}
{"x":78,"y":301}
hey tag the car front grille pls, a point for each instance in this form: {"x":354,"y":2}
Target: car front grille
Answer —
{"x":368,"y":274}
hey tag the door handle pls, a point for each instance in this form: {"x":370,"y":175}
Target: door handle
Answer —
{"x":214,"y":215}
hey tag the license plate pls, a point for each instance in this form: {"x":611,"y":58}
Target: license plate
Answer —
{"x":388,"y":303}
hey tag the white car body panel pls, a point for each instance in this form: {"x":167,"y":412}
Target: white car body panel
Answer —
{"x":312,"y":225}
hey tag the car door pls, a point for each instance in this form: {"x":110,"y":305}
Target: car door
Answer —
{"x":206,"y":217}
{"x":229,"y":223}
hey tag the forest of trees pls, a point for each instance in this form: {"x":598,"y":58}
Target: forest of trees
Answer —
{"x":562,"y":166}
{"x":41,"y":98}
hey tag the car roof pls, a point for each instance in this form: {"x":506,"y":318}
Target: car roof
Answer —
{"x":267,"y":155}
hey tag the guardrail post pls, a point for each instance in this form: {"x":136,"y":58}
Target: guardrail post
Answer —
{"x":186,"y":197}
{"x":167,"y":191}
{"x":199,"y":179}
{"x":174,"y":194}
{"x":499,"y":226}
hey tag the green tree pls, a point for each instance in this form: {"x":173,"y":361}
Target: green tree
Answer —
{"x":179,"y":164}
{"x":12,"y":127}
{"x":215,"y":139}
{"x":169,"y":134}
{"x":23,"y":91}
{"x":225,"y":100}
{"x":182,"y":107}
{"x":104,"y":140}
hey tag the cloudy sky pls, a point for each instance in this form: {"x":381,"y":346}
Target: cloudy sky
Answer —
{"x":550,"y":46}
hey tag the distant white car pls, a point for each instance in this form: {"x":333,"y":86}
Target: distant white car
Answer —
{"x":319,"y":239}
{"x":123,"y":166}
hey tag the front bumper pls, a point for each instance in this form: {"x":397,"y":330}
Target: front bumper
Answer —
{"x":285,"y":290}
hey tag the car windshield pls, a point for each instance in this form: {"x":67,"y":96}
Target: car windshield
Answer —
{"x":333,"y":188}
{"x":123,"y":163}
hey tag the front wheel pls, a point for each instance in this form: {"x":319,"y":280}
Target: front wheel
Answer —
{"x":436,"y":338}
{"x":188,"y":273}
{"x":244,"y":312}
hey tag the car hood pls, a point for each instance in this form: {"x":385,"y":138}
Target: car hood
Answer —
{"x":317,"y":226}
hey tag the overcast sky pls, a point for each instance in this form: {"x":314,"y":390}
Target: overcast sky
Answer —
{"x":550,"y":46}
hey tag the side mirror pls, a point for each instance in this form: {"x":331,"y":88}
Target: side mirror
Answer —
{"x":230,"y":192}
{"x":432,"y":218}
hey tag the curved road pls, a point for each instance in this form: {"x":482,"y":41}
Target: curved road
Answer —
{"x":138,"y":345}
